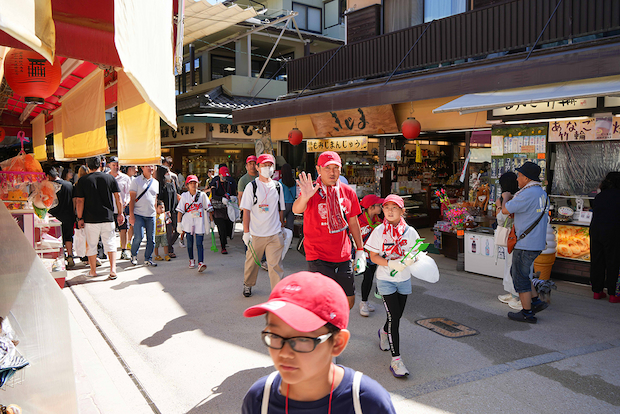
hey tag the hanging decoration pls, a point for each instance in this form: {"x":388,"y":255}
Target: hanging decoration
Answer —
{"x":418,"y":153}
{"x":31,"y":75}
{"x":295,"y":136}
{"x":411,"y":128}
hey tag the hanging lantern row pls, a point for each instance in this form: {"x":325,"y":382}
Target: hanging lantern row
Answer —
{"x":295,"y":136}
{"x":31,"y":75}
{"x":411,"y":128}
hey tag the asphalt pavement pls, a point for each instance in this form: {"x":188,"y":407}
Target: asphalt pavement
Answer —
{"x":168,"y":339}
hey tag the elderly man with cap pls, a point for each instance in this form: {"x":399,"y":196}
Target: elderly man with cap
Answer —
{"x":263,"y":218}
{"x":529,"y":206}
{"x":249,"y":176}
{"x":222,"y":188}
{"x":124,"y":182}
{"x":330,"y":210}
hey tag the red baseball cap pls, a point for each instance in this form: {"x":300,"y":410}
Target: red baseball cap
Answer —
{"x":224,"y":171}
{"x":263,"y":158}
{"x":306,"y":301}
{"x":393,"y":198}
{"x":371,"y":200}
{"x":329,"y":158}
{"x":250,"y":159}
{"x":191,"y":178}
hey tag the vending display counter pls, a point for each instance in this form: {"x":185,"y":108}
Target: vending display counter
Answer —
{"x":481,"y":254}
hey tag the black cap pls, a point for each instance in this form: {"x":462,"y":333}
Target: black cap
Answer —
{"x":113,"y":159}
{"x":530,"y":170}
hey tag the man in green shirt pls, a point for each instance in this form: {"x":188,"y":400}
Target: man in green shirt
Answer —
{"x":251,"y":175}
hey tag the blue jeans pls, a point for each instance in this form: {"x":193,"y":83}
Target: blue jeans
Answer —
{"x":189,"y":240}
{"x":148,"y":223}
{"x":522,"y":268}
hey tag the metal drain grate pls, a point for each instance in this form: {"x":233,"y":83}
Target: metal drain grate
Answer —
{"x":446,"y":327}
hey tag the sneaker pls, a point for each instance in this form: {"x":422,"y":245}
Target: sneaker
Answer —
{"x":124,"y":255}
{"x":192,"y":263}
{"x":364,"y":311}
{"x":150,"y":263}
{"x":540,"y":306}
{"x":167,"y":258}
{"x":70,"y":262}
{"x":614,"y":299}
{"x":247,"y":291}
{"x":505,"y":298}
{"x":600,"y":295}
{"x":158,"y":258}
{"x":202,"y":267}
{"x":181,"y":243}
{"x":515,"y":304}
{"x":384,"y":342}
{"x":264,"y":266}
{"x":224,"y":250}
{"x":134,"y":260}
{"x":522,"y":317}
{"x":398,"y":368}
{"x":371,"y":307}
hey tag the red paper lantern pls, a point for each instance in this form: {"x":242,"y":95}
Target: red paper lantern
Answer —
{"x":411,"y":128}
{"x":31,"y":75}
{"x":295,"y":136}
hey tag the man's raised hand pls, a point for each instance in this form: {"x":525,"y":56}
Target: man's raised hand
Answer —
{"x":306,"y":187}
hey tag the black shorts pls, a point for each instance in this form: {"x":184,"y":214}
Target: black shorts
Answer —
{"x":122,"y":226}
{"x":342,"y":273}
{"x":66,"y":228}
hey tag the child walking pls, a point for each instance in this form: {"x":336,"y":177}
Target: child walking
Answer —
{"x":160,"y":232}
{"x":307,"y":317}
{"x":369,"y":219}
{"x":388,"y":244}
{"x":192,"y":220}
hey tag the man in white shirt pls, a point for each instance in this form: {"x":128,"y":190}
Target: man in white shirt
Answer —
{"x":124,"y":182}
{"x":142,"y":211}
{"x":263,"y":219}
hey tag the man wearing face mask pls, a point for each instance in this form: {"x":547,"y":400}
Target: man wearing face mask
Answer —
{"x":330,"y":210}
{"x":263,"y":218}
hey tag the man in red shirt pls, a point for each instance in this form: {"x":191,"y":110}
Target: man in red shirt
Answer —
{"x":330,"y":210}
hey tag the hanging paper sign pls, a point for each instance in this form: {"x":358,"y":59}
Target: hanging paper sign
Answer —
{"x":337,"y":144}
{"x":591,"y":129}
{"x":462,"y":178}
{"x":371,"y":120}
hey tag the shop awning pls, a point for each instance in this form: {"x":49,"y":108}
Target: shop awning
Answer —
{"x":203,"y":19}
{"x":476,"y":102}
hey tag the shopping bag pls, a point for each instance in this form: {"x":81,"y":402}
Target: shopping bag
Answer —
{"x":501,"y":236}
{"x":232,"y":208}
{"x":288,"y":238}
{"x":512,"y":240}
{"x":425,"y":268}
{"x":79,"y":243}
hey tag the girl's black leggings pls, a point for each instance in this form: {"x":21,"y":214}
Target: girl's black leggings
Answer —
{"x":369,"y":274}
{"x":394,"y":307}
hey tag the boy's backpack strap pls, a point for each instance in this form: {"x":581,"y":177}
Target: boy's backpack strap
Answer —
{"x":357,"y":380}
{"x":255,"y":199}
{"x":266,"y":391}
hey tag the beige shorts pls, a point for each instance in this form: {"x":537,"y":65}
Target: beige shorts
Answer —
{"x":108,"y":237}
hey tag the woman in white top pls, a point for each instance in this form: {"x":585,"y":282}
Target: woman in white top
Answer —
{"x":193,"y":221}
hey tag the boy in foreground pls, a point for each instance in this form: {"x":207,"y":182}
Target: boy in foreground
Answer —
{"x":307,"y":316}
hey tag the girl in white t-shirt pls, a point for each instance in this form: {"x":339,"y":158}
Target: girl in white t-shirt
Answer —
{"x":193,"y":220}
{"x":387,"y":245}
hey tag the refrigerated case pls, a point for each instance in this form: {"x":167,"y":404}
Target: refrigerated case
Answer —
{"x":481,"y":254}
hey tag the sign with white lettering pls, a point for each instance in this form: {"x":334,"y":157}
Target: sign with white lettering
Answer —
{"x":234,"y":131}
{"x":551,"y":106}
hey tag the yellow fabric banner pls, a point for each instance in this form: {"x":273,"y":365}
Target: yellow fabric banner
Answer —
{"x":139,"y":140}
{"x":38,"y":137}
{"x":83,"y":118}
{"x":59,"y":150}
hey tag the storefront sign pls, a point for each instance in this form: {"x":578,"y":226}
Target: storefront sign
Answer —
{"x":337,"y":144}
{"x":185,"y":133}
{"x":393,"y":155}
{"x":573,"y":242}
{"x":611,"y":101}
{"x":234,"y":131}
{"x":591,"y":129}
{"x":551,"y":106}
{"x":371,"y":120}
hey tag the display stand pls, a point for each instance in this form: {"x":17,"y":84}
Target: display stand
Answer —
{"x":51,"y":252}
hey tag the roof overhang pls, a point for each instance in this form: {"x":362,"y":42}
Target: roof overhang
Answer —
{"x":562,"y":64}
{"x":203,"y":19}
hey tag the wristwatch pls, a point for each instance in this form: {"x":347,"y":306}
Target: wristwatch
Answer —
{"x":80,"y":219}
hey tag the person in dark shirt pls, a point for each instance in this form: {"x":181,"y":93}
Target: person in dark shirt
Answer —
{"x":223,"y":187}
{"x":604,"y":241}
{"x":95,"y":194}
{"x":64,"y":212}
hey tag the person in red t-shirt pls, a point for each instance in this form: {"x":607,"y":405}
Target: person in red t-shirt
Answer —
{"x":330,"y":208}
{"x":369,"y":219}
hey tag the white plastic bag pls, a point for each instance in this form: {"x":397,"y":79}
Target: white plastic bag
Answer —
{"x":288,"y":238}
{"x":79,"y":243}
{"x":232,"y":207}
{"x":425,"y":268}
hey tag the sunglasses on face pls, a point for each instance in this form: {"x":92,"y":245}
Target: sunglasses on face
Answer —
{"x":302,"y":344}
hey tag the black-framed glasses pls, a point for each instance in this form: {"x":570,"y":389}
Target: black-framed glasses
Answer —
{"x":303,"y":344}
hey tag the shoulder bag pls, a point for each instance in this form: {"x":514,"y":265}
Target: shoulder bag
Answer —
{"x":145,"y":190}
{"x":512,"y":237}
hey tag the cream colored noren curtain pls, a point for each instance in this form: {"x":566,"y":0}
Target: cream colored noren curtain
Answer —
{"x":38,"y":137}
{"x":30,"y":22}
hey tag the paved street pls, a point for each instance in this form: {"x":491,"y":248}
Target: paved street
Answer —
{"x":182,"y":337}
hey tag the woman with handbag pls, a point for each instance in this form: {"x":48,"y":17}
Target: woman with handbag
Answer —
{"x":509,"y":186}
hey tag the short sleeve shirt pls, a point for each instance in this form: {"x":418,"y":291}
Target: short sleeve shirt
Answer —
{"x":245,"y":180}
{"x":97,"y":189}
{"x":145,"y":207}
{"x":373,"y":398}
{"x":527,"y":206}
{"x":265,"y":214}
{"x":377,"y":242}
{"x":319,"y":243}
{"x":124,"y":183}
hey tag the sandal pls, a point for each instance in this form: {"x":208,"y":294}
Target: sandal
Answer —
{"x":112,"y":276}
{"x":172,"y":255}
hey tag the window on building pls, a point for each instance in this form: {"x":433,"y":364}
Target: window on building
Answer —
{"x":400,"y":14}
{"x":309,"y":18}
{"x":222,"y":66}
{"x":273,"y":67}
{"x":438,"y":9}
{"x":334,"y":12}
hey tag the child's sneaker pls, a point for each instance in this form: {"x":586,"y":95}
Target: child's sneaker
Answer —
{"x":398,"y":368}
{"x":192,"y":263}
{"x":158,"y":258}
{"x":505,"y":298}
{"x":384,"y":342}
{"x":523,"y":317}
{"x":515,"y":303}
{"x":167,"y":258}
{"x":364,"y":311}
{"x":202,"y":267}
{"x":371,"y":307}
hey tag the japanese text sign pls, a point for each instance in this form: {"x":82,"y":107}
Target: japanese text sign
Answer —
{"x":591,"y":129}
{"x":371,"y":120}
{"x":337,"y":144}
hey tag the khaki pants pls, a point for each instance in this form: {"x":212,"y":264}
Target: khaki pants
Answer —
{"x":272,"y":247}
